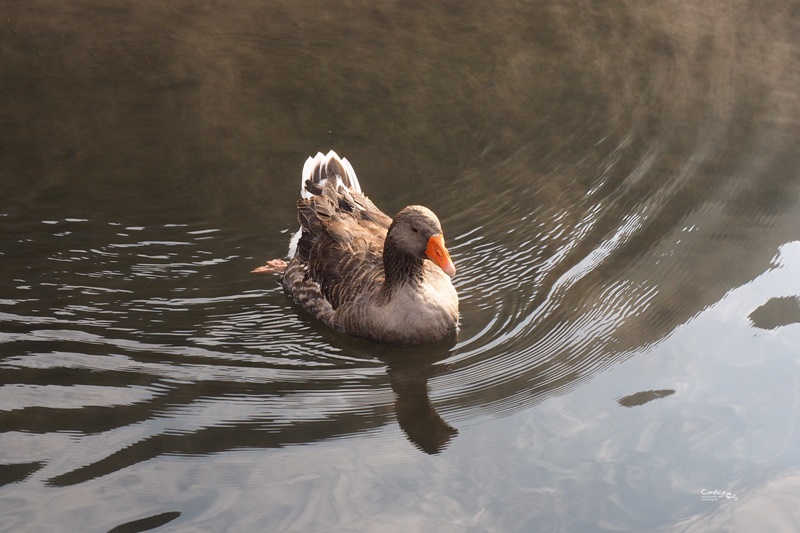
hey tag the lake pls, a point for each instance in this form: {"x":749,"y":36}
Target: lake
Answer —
{"x":619,"y":187}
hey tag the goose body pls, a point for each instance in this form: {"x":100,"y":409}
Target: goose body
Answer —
{"x":362,"y":273}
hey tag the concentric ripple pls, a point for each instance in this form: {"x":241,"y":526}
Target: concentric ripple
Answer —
{"x":602,"y":177}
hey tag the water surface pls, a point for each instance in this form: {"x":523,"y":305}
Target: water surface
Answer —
{"x":618,"y":185}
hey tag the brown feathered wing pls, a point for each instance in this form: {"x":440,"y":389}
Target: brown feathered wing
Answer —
{"x":340,"y":250}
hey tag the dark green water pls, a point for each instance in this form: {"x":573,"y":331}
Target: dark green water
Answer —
{"x":619,"y":185}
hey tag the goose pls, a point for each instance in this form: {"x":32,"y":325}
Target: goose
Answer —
{"x":361,"y":272}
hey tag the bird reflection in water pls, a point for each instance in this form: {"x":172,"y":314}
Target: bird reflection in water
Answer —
{"x":409,"y":375}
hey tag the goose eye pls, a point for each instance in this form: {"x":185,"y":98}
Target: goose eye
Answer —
{"x":415,"y":229}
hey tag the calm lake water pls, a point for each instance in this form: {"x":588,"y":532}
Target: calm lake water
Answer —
{"x":619,"y":184}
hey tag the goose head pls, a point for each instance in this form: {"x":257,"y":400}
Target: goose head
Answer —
{"x":417,"y":232}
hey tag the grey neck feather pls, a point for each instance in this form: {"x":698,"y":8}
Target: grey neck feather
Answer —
{"x":399,"y":267}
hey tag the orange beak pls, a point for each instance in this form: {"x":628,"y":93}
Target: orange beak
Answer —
{"x":439,"y":255}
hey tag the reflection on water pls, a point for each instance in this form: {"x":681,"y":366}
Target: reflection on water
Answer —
{"x":605,"y":174}
{"x":146,"y":524}
{"x":777,"y":312}
{"x":415,"y":414}
{"x":641,"y":398}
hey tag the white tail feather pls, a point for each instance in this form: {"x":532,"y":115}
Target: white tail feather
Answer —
{"x":321,"y":162}
{"x":311,"y":172}
{"x":293,"y":243}
{"x":354,"y":184}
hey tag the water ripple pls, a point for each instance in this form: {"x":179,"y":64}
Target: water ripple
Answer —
{"x":589,"y":215}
